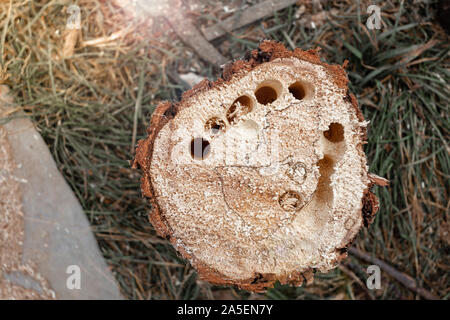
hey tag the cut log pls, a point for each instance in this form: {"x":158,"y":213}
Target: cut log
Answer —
{"x":260,"y":176}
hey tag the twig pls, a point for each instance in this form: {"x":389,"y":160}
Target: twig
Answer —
{"x":401,"y":277}
{"x":104,"y":40}
{"x":188,"y":33}
{"x":50,"y":68}
{"x":352,"y":275}
{"x":193,"y":38}
{"x":137,"y":109}
{"x":4,"y":33}
{"x":247,"y":16}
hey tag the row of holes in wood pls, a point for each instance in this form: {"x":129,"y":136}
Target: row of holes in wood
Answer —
{"x":265,"y":94}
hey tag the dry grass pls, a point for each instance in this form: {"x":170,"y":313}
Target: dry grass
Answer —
{"x":87,"y":106}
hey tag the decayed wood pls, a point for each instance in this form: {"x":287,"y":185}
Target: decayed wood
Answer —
{"x":245,"y":17}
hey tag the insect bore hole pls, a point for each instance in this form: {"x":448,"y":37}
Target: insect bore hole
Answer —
{"x":268,"y":91}
{"x":200,"y":148}
{"x":240,"y":107}
{"x":335,"y":132}
{"x":215,"y":125}
{"x":297,"y":89}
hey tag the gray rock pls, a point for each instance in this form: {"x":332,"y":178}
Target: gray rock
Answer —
{"x":57,"y":234}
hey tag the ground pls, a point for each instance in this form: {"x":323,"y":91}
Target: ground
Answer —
{"x":88,"y":97}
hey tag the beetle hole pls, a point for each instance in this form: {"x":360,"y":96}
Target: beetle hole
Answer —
{"x":290,"y":201}
{"x":200,"y":148}
{"x":298,"y":90}
{"x":215,"y":125}
{"x":268,"y":91}
{"x":324,"y":191}
{"x":240,"y":107}
{"x":266,"y":95}
{"x":335,"y":132}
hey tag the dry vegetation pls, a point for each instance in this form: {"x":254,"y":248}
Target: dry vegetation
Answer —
{"x":88,"y":104}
